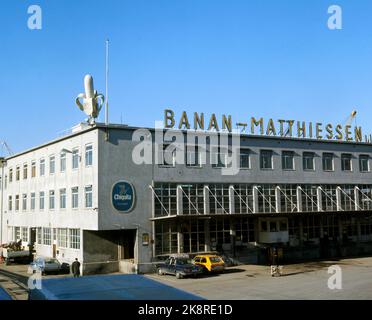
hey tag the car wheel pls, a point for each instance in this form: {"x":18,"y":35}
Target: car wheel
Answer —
{"x":178,"y":275}
{"x":160,"y":272}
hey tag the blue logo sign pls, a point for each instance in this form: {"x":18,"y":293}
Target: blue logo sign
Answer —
{"x":123,"y":196}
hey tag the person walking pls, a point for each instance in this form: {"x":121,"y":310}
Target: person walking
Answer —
{"x":76,"y":268}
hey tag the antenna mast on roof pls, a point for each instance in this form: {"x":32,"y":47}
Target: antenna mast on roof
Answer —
{"x":107,"y":73}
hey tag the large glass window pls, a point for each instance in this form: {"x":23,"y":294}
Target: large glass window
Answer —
{"x":364,"y":163}
{"x":32,"y":200}
{"x":308,"y":161}
{"x":245,"y":159}
{"x":288,"y":160}
{"x":346,"y":164}
{"x":24,"y":234}
{"x":75,"y":197}
{"x":328,"y":161}
{"x":266,"y":159}
{"x":88,"y":197}
{"x":75,"y":158}
{"x":52,"y":165}
{"x":41,"y":200}
{"x":47,"y":237}
{"x":74,"y":238}
{"x":42,"y":167}
{"x":88,"y":155}
{"x":62,"y":198}
{"x":62,"y":237}
{"x":51,"y":199}
{"x":63,"y":161}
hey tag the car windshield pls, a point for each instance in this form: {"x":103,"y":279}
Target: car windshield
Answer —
{"x":50,"y":261}
{"x":215,"y":259}
{"x":183,"y":261}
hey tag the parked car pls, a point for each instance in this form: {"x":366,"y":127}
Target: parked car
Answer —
{"x":210,"y":263}
{"x":49,"y":265}
{"x":180,"y":267}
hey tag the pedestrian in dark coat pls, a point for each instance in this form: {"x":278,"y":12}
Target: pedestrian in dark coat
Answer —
{"x":75,"y":267}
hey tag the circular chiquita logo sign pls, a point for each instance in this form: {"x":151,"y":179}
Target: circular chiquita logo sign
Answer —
{"x":123,"y":196}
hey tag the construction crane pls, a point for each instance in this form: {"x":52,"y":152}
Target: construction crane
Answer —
{"x":350,"y":118}
{"x":5,"y":146}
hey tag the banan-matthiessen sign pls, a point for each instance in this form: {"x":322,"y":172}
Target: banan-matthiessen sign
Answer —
{"x":283,"y":128}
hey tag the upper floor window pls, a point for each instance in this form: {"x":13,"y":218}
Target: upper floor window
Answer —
{"x":219,"y":157}
{"x":42,"y":167}
{"x":245,"y":158}
{"x":52,"y":164}
{"x":33,"y":169}
{"x":10,"y":175}
{"x":25,"y":171}
{"x":266,"y":159}
{"x":24,"y":201}
{"x":346,"y":164}
{"x":32,"y":200}
{"x":288,"y":160}
{"x":63,"y":161}
{"x":51,"y":199}
{"x":193,"y":157}
{"x":17,"y":202}
{"x":364,"y":163}
{"x":88,"y":197}
{"x":41,"y":200}
{"x":308,"y":161}
{"x":88,"y":155}
{"x":17,"y":173}
{"x":75,"y":158}
{"x":10,"y":203}
{"x":75,"y":197}
{"x":62,"y":198}
{"x":168,"y":156}
{"x":328,"y":161}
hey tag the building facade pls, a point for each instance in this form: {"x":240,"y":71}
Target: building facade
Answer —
{"x":70,"y":199}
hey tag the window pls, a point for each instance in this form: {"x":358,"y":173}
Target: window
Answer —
{"x":10,"y":175}
{"x":288,"y":160}
{"x":328,"y":161}
{"x":346,"y":162}
{"x":88,"y":197}
{"x":63,"y":161}
{"x":33,"y":169}
{"x":75,"y":197}
{"x":25,"y":171}
{"x":74,"y":238}
{"x":24,"y":234}
{"x":52,"y":165}
{"x":17,"y":202}
{"x":88,"y":155}
{"x":168,"y":156}
{"x":193,"y":157}
{"x":32,"y":200}
{"x":364,"y":163}
{"x":17,"y":173}
{"x":42,"y":167}
{"x":308,"y":161}
{"x":62,"y":198}
{"x":17,"y":233}
{"x":47,"y":237}
{"x":24,"y":201}
{"x":39,"y":235}
{"x":51,"y":199}
{"x":245,"y":159}
{"x":41,"y":200}
{"x":62,"y":238}
{"x":75,"y":158}
{"x":266,"y":159}
{"x":10,"y":203}
{"x":219,"y":157}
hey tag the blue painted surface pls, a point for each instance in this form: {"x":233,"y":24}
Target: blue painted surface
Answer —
{"x":108,"y":287}
{"x":4,"y":295}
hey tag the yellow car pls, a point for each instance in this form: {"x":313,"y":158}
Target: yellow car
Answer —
{"x":211,"y":263}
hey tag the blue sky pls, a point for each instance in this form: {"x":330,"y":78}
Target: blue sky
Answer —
{"x":247,"y":58}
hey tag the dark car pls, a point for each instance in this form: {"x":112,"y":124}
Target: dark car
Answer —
{"x":180,"y":267}
{"x":48,"y":266}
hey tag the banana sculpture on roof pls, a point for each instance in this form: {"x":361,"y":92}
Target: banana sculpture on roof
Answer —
{"x":92,"y":101}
